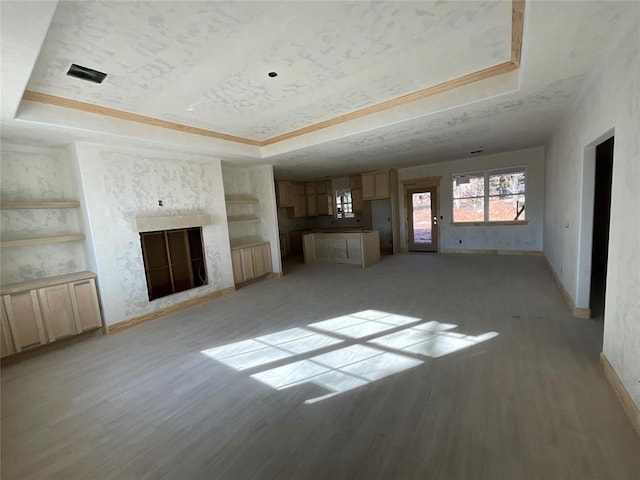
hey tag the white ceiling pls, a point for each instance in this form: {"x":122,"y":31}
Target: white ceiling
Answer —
{"x":204,"y":64}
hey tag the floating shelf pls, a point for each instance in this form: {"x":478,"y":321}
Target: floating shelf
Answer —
{"x":243,"y":219}
{"x":240,"y":199}
{"x":40,"y":240}
{"x":38,"y":205}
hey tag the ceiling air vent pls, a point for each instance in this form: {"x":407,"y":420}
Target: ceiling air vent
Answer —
{"x":85,"y":73}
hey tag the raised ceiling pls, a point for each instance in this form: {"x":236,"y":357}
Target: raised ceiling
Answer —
{"x":205,"y":65}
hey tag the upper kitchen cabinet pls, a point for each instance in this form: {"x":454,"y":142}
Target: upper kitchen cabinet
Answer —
{"x":376,"y":185}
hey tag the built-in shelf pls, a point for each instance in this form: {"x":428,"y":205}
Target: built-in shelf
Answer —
{"x":240,"y":199}
{"x":40,"y":240}
{"x":38,"y":205}
{"x":244,"y":219}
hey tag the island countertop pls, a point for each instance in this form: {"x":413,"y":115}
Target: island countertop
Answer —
{"x":359,"y":248}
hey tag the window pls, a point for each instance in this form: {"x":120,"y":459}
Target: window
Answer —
{"x":344,"y":204}
{"x":173,"y":261}
{"x":502,"y":191}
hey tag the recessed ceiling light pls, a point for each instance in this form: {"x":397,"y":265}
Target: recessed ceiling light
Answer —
{"x":273,"y":74}
{"x":84,"y":73}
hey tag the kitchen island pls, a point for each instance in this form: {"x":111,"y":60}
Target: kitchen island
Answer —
{"x":358,"y":248}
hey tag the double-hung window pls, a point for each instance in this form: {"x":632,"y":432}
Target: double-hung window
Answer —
{"x":490,"y":196}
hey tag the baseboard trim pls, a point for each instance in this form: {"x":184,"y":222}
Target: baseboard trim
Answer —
{"x":628,"y":405}
{"x":577,"y":312}
{"x":491,"y":251}
{"x":126,"y":324}
{"x":276,"y":274}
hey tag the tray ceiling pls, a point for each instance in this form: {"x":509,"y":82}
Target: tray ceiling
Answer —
{"x":205,"y":64}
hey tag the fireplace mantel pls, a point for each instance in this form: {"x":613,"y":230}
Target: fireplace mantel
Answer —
{"x":171,"y":222}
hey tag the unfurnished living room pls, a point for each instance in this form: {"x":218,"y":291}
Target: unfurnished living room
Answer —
{"x":320,"y":240}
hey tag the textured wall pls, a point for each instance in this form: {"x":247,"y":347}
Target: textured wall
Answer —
{"x":509,"y":237}
{"x":38,"y":174}
{"x":610,"y":101}
{"x":120,"y":185}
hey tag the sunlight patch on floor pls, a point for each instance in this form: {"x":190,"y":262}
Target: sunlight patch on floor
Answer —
{"x":345,"y":367}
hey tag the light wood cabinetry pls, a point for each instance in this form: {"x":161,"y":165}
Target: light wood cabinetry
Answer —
{"x":284,"y":193}
{"x":46,"y":310}
{"x":57,"y":312}
{"x":310,"y":192}
{"x":251,"y":261}
{"x":86,"y":307}
{"x":355,"y":183}
{"x":375,"y":185}
{"x":6,"y":341}
{"x":299,"y":200}
{"x":25,"y":319}
{"x":324,"y":198}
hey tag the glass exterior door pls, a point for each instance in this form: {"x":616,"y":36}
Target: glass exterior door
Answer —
{"x":423,"y":221}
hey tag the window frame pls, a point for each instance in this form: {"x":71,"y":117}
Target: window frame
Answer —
{"x":340,"y":213}
{"x":487,"y":196}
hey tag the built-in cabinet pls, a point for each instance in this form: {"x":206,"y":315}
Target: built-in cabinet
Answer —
{"x":355,"y":184}
{"x":42,"y":311}
{"x":309,"y":199}
{"x":251,"y":261}
{"x":375,"y":185}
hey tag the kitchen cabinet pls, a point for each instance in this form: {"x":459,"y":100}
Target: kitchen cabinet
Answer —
{"x":375,"y":185}
{"x":284,"y":193}
{"x":355,"y":183}
{"x":251,"y":261}
{"x":324,"y":198}
{"x":310,"y":192}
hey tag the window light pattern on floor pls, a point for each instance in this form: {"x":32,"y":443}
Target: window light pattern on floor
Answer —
{"x":380,"y":344}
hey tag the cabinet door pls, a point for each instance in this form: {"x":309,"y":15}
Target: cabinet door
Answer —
{"x":6,"y":340}
{"x":57,"y":312}
{"x":236,"y":263}
{"x":284,"y":192}
{"x":382,"y":184}
{"x":300,"y":206}
{"x":368,"y":186}
{"x":84,"y":298}
{"x":356,"y":198}
{"x":312,"y":208}
{"x":248,"y":271}
{"x":261,"y":260}
{"x":25,"y":319}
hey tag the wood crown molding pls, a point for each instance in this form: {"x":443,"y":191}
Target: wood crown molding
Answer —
{"x":517,"y":29}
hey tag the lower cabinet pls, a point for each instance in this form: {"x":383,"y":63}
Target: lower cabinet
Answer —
{"x":46,"y":310}
{"x":251,"y":261}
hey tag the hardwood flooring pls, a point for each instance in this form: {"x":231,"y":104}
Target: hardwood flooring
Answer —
{"x":529,"y":403}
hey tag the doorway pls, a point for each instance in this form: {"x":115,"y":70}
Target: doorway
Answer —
{"x":601,"y":220}
{"x":422,"y":221}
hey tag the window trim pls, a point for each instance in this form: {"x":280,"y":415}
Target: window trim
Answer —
{"x":487,"y":173}
{"x":343,"y":215}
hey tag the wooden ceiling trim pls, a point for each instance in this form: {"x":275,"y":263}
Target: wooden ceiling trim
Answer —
{"x":132,"y":117}
{"x":517,"y":30}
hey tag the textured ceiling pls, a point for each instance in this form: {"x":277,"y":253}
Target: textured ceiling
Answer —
{"x":205,"y":64}
{"x":562,"y":46}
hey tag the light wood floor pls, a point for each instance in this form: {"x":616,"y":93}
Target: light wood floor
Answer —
{"x":531,"y":403}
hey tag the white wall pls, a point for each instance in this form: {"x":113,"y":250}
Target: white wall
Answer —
{"x":31,"y":174}
{"x":122,"y":184}
{"x":610,"y":103}
{"x":494,"y":237}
